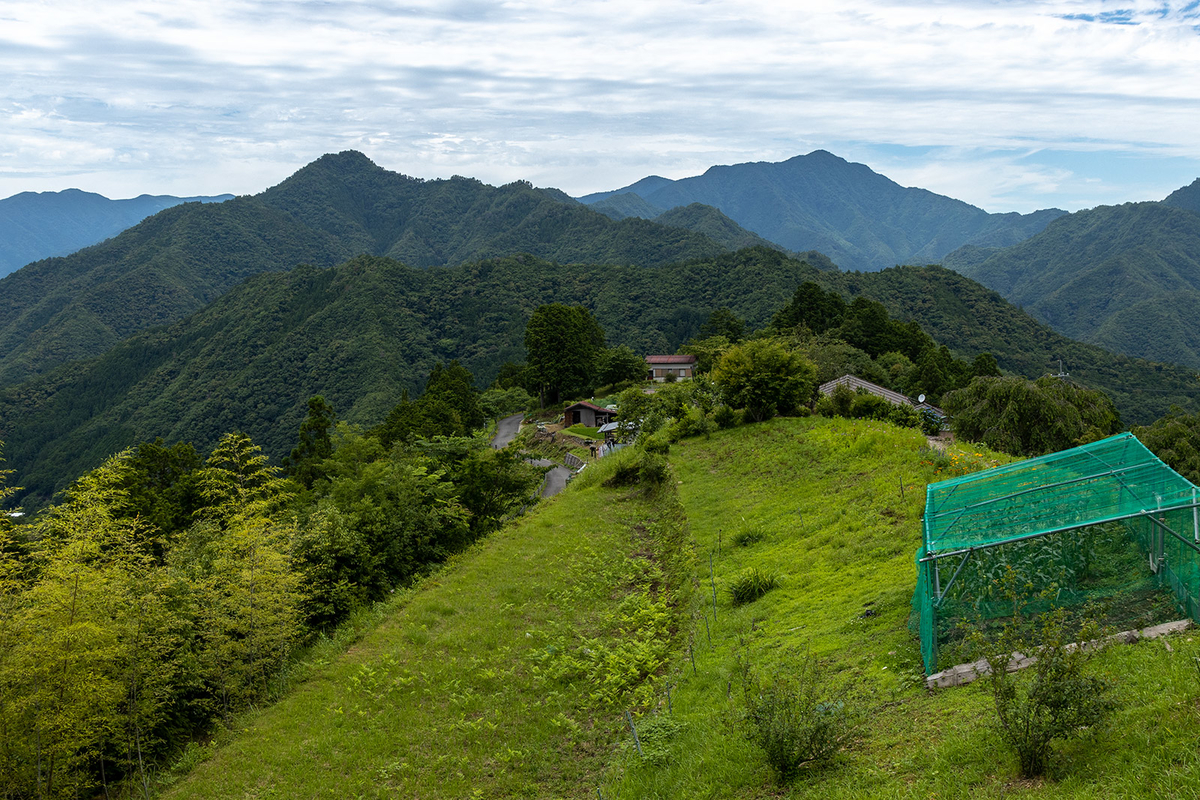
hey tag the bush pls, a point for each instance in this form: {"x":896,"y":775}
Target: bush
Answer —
{"x":725,"y":417}
{"x":639,"y":467}
{"x":659,"y":443}
{"x":870,"y":406}
{"x":905,"y":416}
{"x":750,"y":585}
{"x":1051,"y":700}
{"x":931,"y":423}
{"x":692,"y":423}
{"x":796,"y":718}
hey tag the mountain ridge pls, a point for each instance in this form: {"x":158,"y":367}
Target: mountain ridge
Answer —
{"x":338,"y":207}
{"x":38,"y":225}
{"x":820,"y":201}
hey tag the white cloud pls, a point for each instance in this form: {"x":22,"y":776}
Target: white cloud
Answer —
{"x":203,"y":97}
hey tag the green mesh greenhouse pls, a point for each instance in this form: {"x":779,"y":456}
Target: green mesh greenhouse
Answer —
{"x":1107,"y":524}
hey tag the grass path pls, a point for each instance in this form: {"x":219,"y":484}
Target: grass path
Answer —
{"x":480,"y":685}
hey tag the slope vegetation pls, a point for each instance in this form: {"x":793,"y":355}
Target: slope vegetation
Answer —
{"x":1124,"y":277}
{"x":859,"y":218}
{"x":488,"y":678}
{"x":338,"y":207}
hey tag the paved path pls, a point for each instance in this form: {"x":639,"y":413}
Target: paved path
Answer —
{"x":556,"y":478}
{"x":506,"y":430}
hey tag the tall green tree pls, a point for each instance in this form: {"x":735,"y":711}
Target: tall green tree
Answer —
{"x":764,"y":378}
{"x":315,"y":445}
{"x":563,"y":345}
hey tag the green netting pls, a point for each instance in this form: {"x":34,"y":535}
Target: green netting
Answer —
{"x":1106,"y":524}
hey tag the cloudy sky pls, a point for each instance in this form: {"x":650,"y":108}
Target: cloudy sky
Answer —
{"x":1007,"y":104}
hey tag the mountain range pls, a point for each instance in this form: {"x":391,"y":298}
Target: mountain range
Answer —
{"x":364,"y":332}
{"x":37,"y":225}
{"x":1124,"y":277}
{"x":340,"y":206}
{"x":860,"y":219}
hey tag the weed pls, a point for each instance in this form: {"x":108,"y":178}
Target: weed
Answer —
{"x":751,"y":584}
{"x":796,"y":718}
{"x":656,"y":736}
{"x":748,"y":537}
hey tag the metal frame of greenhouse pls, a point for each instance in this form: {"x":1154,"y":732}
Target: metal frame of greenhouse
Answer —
{"x":1113,"y":480}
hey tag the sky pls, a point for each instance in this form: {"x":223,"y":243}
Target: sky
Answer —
{"x":1009,"y":105}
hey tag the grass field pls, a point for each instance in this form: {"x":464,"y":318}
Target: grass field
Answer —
{"x":822,"y":500}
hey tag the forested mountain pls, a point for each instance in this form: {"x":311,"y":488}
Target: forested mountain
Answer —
{"x":338,"y":207}
{"x":1124,"y":277}
{"x":362,"y":333}
{"x":37,"y":225}
{"x":707,"y":220}
{"x":859,"y":218}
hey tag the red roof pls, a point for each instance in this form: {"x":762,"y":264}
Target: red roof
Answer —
{"x":670,"y":359}
{"x":586,"y":404}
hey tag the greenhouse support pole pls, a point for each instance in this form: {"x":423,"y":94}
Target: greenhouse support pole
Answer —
{"x":1195,"y":518}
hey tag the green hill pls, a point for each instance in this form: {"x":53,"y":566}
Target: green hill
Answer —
{"x":1124,"y":277}
{"x":859,"y":218}
{"x":362,"y":333}
{"x":707,"y":220}
{"x":489,"y":677}
{"x":338,"y":207}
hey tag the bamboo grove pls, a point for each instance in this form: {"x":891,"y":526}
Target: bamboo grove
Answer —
{"x":129,"y":624}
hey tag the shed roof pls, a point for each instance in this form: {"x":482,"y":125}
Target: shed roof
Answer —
{"x":1112,"y":479}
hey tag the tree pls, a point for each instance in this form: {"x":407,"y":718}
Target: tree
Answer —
{"x":1175,"y":438}
{"x":812,"y":307}
{"x":315,"y":445}
{"x":1029,"y":418}
{"x":620,"y":365}
{"x":563,"y":345}
{"x":764,"y":378}
{"x":724,"y":322}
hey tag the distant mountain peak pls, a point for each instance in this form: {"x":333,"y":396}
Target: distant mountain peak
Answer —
{"x":1188,"y":197}
{"x":820,"y":201}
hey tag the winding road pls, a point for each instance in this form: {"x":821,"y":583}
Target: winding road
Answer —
{"x":556,"y":478}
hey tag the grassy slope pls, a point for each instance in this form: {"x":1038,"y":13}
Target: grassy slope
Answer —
{"x":451,"y":698}
{"x":826,"y":496}
{"x":460,"y":692}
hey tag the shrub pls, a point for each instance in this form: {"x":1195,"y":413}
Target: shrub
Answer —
{"x":931,"y":423}
{"x":870,"y":406}
{"x":725,"y":417}
{"x":796,"y":718}
{"x":1053,"y":699}
{"x":750,"y":585}
{"x":905,"y":416}
{"x":639,"y":467}
{"x":692,"y":423}
{"x":659,"y":443}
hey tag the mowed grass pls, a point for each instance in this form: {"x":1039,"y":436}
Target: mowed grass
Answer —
{"x":504,"y":675}
{"x":818,"y":504}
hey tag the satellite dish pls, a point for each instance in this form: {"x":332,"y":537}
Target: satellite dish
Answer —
{"x":921,"y":399}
